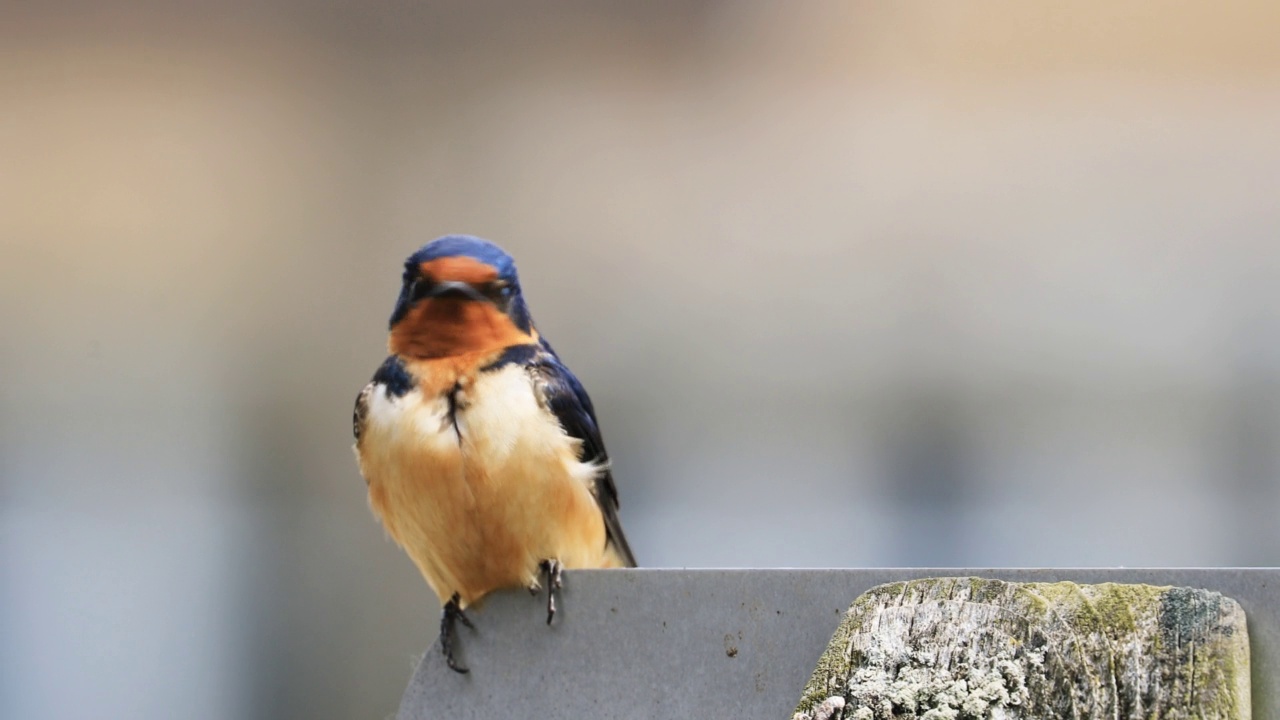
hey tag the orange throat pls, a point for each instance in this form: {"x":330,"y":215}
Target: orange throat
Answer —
{"x":445,"y":327}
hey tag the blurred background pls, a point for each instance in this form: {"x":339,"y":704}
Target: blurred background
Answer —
{"x":851,"y":284}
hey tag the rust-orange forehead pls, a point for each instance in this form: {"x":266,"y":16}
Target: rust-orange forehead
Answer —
{"x":459,"y":269}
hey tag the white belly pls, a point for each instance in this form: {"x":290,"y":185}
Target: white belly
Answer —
{"x":478,"y":505}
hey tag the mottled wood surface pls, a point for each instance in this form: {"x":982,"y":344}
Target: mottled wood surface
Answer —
{"x":972,"y":649}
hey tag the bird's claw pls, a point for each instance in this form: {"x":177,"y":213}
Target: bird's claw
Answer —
{"x":552,"y":570}
{"x":452,"y":614}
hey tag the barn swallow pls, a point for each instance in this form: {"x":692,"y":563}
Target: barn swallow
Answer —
{"x":481,"y":451}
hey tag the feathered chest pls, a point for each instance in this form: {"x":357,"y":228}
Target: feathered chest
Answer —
{"x":485,"y":419}
{"x":473,"y":471}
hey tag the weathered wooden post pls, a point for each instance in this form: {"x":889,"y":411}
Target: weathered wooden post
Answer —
{"x":973,"y":649}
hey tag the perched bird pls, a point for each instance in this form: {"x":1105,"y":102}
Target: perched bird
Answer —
{"x":481,"y":451}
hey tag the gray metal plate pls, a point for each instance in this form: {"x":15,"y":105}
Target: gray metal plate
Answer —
{"x":722,"y":643}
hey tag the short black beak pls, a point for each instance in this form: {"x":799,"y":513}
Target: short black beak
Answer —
{"x":454,"y":288}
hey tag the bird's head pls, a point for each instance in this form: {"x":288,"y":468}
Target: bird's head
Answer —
{"x":460,"y":295}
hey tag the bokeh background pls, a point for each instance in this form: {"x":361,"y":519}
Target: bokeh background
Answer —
{"x":967,"y":284}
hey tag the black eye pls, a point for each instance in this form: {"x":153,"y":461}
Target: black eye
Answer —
{"x":419,"y":288}
{"x":501,"y":288}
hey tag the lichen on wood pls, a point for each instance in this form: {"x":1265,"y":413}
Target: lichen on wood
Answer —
{"x":975,"y":649}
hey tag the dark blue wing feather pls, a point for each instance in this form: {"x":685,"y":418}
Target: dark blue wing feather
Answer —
{"x":569,"y":402}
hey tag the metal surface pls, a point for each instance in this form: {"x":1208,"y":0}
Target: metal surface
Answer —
{"x":722,"y":643}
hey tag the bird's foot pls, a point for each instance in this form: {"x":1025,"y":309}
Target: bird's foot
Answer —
{"x":448,"y":619}
{"x":551,"y":570}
